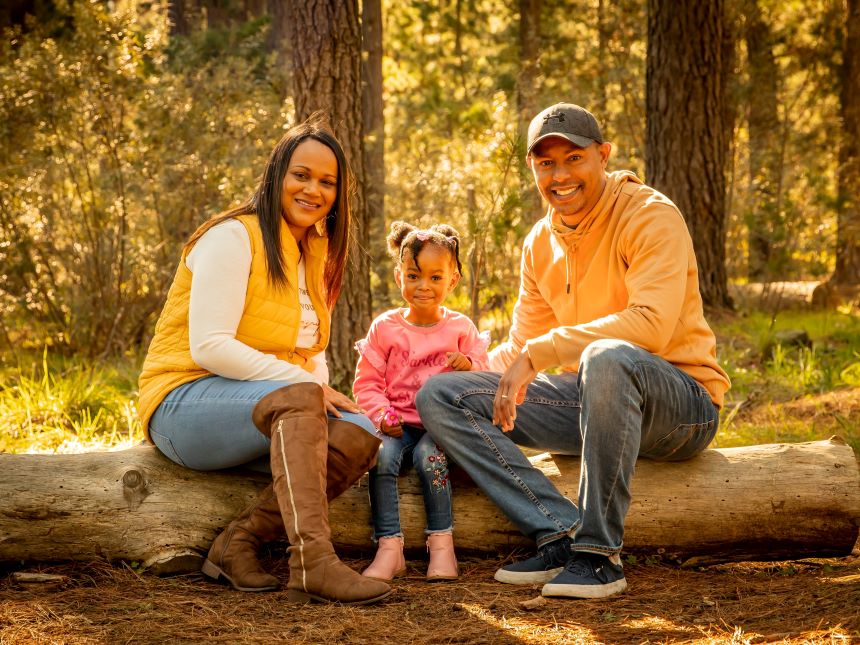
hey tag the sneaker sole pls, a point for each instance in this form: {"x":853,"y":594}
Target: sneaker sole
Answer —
{"x":583,"y":591}
{"x":526,"y":577}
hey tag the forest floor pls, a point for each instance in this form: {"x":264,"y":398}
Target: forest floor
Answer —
{"x":807,"y":601}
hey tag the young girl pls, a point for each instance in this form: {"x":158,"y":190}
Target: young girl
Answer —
{"x":403,"y":348}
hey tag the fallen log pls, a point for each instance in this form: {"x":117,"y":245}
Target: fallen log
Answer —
{"x":769,"y":502}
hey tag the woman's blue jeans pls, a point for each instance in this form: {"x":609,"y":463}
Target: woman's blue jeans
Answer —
{"x":206,"y":424}
{"x":432,"y":467}
{"x":624,"y":403}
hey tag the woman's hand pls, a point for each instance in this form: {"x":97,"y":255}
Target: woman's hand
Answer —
{"x":335,"y":401}
{"x":459,"y":362}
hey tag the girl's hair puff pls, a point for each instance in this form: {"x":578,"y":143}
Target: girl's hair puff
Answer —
{"x":406,"y":237}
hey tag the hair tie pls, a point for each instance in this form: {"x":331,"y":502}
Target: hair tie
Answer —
{"x":423,"y":235}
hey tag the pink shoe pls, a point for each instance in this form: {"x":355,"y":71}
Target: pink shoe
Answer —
{"x":443,"y":562}
{"x":389,"y":561}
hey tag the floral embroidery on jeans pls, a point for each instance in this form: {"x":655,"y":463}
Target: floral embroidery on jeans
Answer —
{"x":438,"y":466}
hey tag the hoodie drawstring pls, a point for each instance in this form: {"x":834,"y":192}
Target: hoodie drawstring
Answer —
{"x":567,"y":268}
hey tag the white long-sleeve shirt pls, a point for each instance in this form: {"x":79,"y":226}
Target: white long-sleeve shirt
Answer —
{"x":220,"y":263}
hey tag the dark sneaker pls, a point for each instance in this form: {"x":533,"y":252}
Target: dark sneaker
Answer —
{"x":543,"y":567}
{"x":587,"y":575}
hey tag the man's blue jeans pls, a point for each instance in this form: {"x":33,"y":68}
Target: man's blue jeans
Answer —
{"x":432,"y":467}
{"x":624,"y":403}
{"x":206,"y":424}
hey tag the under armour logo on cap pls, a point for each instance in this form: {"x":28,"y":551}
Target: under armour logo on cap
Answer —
{"x":566,"y":120}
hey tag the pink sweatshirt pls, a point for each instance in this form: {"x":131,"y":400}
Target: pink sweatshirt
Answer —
{"x":396,"y":359}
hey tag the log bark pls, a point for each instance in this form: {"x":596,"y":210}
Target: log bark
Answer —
{"x":770,"y":502}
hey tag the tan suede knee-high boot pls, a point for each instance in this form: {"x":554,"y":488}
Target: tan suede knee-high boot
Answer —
{"x":351,"y":453}
{"x":294,"y":418}
{"x":233,"y":555}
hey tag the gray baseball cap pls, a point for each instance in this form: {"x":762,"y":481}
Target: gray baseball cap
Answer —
{"x":574,"y":123}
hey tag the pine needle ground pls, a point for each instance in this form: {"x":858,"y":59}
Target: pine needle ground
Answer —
{"x":808,"y":601}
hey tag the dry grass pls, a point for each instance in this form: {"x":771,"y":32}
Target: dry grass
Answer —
{"x":819,"y":409}
{"x":808,"y":418}
{"x":811,"y":601}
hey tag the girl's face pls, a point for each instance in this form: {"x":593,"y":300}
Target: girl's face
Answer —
{"x":425,"y":284}
{"x":310,"y":186}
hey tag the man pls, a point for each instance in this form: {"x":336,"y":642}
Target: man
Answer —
{"x":609,"y":292}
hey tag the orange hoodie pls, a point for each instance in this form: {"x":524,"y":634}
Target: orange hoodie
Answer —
{"x":627,"y":272}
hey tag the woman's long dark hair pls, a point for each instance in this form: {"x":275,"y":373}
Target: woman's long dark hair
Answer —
{"x":265,"y":203}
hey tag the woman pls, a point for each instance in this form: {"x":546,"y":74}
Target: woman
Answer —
{"x":239,"y":348}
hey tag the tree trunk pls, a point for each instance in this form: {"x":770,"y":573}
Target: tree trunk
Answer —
{"x":685,"y":147}
{"x":603,"y":36}
{"x":529,"y":72}
{"x":843,"y":287}
{"x":277,"y":39}
{"x":476,"y":254}
{"x":766,"y":235}
{"x":730,"y":91}
{"x":13,"y":13}
{"x":374,"y":140}
{"x":325,"y":40}
{"x":177,"y":18}
{"x":848,"y":223}
{"x":528,"y":81}
{"x":217,"y":13}
{"x":771,"y":502}
{"x":254,"y":8}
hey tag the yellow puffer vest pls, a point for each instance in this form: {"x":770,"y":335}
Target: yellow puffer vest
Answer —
{"x":269,"y":323}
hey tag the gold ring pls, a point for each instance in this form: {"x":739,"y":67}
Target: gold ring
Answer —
{"x":504,"y":396}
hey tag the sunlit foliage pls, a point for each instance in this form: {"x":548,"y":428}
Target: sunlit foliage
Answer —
{"x":119,"y":140}
{"x":115,"y":148}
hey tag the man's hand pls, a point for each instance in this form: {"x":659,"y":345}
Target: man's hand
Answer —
{"x":459,"y":362}
{"x":335,"y":401}
{"x":512,"y":391}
